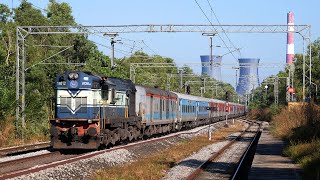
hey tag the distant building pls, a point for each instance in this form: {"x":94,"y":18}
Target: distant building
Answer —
{"x":249,"y":76}
{"x":213,"y":70}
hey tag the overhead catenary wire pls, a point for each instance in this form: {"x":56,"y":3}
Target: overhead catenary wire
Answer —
{"x":212,"y":12}
{"x":133,"y":47}
{"x":215,"y":29}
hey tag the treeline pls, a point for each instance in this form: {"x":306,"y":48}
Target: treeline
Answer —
{"x":40,"y":77}
{"x":263,"y":98}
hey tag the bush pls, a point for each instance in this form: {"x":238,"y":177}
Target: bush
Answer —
{"x":300,"y":126}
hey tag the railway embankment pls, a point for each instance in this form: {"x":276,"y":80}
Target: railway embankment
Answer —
{"x":299,"y":126}
{"x":157,"y":163}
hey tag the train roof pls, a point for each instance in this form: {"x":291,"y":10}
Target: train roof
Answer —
{"x":158,"y":91}
{"x":195,"y":98}
{"x":119,"y":83}
{"x":87,"y":80}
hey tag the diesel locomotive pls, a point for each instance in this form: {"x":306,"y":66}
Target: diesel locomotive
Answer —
{"x":93,"y":111}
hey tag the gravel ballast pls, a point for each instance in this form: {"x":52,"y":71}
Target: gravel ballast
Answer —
{"x":82,"y":168}
{"x":85,"y":168}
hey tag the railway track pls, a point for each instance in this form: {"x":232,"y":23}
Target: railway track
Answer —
{"x":54,"y":159}
{"x":23,"y":149}
{"x":20,"y":163}
{"x":229,"y":161}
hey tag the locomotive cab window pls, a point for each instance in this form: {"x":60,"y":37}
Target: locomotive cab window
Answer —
{"x":104,"y":92}
{"x":113,"y":96}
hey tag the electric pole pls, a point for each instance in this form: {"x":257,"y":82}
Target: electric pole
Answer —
{"x":112,"y":42}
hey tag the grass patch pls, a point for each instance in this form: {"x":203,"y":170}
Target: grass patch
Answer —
{"x":300,"y":126}
{"x":8,"y":135}
{"x":308,"y":156}
{"x":155,"y":165}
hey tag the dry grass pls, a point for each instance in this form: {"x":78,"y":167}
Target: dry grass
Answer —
{"x":261,"y":114}
{"x":6,"y":132}
{"x":155,"y":165}
{"x":287,"y":120}
{"x":301,"y":127}
{"x":298,"y":123}
{"x":308,"y":155}
{"x":8,"y":135}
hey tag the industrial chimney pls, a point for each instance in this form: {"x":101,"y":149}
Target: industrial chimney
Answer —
{"x":290,"y":38}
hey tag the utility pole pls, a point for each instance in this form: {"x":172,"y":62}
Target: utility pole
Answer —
{"x":202,"y":91}
{"x":181,"y":85}
{"x":276,"y":91}
{"x":211,"y":61}
{"x":236,"y":68}
{"x":216,"y":90}
{"x":204,"y":85}
{"x":210,"y":36}
{"x":112,"y":42}
{"x":292,"y":76}
{"x":287,"y":93}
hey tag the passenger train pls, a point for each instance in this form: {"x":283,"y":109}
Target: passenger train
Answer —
{"x":93,"y":111}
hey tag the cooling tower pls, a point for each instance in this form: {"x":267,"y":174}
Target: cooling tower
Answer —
{"x":215,"y":70}
{"x":248,"y":77}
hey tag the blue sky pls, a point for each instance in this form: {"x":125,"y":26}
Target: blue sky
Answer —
{"x":187,"y":47}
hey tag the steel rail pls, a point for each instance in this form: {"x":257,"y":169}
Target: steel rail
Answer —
{"x":89,"y":155}
{"x":22,"y":160}
{"x":22,"y":148}
{"x":200,"y":168}
{"x":244,"y":156}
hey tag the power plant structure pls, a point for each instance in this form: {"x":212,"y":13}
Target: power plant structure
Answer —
{"x":211,"y":69}
{"x":290,"y":38}
{"x":248,"y":75}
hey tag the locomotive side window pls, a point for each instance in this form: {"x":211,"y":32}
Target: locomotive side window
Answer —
{"x":121,"y":98}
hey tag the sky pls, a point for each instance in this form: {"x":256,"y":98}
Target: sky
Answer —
{"x":186,"y":48}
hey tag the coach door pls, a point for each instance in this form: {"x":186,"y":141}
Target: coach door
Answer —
{"x":197,"y":109}
{"x":167,"y":107}
{"x":151,"y":107}
{"x":161,"y":107}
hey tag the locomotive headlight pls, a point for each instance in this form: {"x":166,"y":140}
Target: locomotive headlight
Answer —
{"x":73,"y":76}
{"x":89,"y":121}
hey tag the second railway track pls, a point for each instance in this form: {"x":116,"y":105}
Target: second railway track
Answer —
{"x":227,"y":162}
{"x":23,"y":149}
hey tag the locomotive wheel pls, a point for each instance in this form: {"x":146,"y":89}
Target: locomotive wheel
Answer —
{"x":177,"y":127}
{"x":147,"y":131}
{"x":123,"y":134}
{"x":158,"y":129}
{"x":137,"y":133}
{"x":113,"y":137}
{"x":107,"y":137}
{"x":130,"y":133}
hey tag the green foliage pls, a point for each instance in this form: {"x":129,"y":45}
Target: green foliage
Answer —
{"x":264,"y":98}
{"x":300,"y":127}
{"x":40,"y":78}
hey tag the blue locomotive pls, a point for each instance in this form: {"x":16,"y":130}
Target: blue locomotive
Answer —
{"x":93,"y":110}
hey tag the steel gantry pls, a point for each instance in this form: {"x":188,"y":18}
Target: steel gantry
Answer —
{"x":22,"y":32}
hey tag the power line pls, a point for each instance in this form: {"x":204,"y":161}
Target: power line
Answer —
{"x":148,"y":47}
{"x":215,"y":29}
{"x":222,"y":27}
{"x":118,"y":50}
